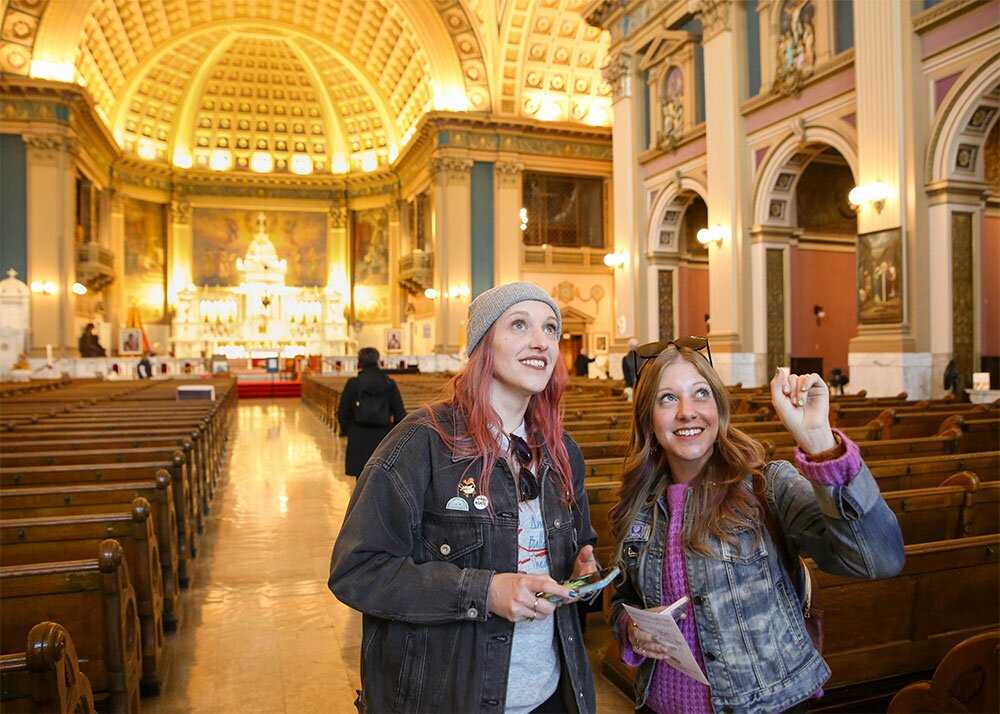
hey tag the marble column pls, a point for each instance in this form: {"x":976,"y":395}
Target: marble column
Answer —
{"x":51,"y":223}
{"x":117,"y":309}
{"x":626,"y":142}
{"x":396,"y":296}
{"x":338,"y":251}
{"x":730,"y":192}
{"x":891,"y":354}
{"x":451,"y":207}
{"x":507,"y":236}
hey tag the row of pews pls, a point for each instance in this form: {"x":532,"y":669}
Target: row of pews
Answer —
{"x":105,"y":488}
{"x":937,"y":463}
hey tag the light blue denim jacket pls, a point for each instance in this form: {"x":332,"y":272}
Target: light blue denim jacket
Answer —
{"x":758,"y":655}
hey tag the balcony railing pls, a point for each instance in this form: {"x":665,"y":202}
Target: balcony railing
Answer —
{"x":95,"y":266}
{"x":416,"y":271}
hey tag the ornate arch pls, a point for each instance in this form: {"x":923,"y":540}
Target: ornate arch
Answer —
{"x":963,"y":122}
{"x":774,"y":190}
{"x":673,"y":199}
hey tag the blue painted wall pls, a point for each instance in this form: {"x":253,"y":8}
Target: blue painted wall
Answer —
{"x":482,"y":226}
{"x":753,"y":49}
{"x":13,"y":207}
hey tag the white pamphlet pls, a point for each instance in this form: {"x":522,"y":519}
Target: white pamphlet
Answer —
{"x":659,"y":622}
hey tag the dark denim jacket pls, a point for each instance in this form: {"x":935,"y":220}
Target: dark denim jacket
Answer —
{"x":420,"y":575}
{"x":758,"y":656}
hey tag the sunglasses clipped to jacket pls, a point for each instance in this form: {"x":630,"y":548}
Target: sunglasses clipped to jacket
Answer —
{"x":651,"y":350}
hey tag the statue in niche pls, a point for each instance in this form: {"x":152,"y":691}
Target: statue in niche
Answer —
{"x":671,"y":110}
{"x":796,"y":46}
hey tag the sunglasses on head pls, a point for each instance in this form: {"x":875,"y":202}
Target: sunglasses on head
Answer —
{"x":527,"y":482}
{"x":651,"y":350}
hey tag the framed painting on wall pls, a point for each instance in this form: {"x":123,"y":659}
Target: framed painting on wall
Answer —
{"x":601,"y":343}
{"x":880,"y":277}
{"x":393,"y":341}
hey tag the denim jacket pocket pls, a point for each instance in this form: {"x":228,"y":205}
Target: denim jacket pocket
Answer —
{"x":453,"y":541}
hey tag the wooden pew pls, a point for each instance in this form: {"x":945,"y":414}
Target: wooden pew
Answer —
{"x":184,"y":503}
{"x":45,"y":678}
{"x":26,"y":541}
{"x":79,"y":499}
{"x":91,"y":598}
{"x":948,"y":442}
{"x":947,"y":591}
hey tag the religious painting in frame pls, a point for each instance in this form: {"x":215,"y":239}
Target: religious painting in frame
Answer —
{"x":221,"y":235}
{"x":601,"y":343}
{"x":393,"y":341}
{"x":880,"y":277}
{"x":370,"y":261}
{"x":144,"y":279}
{"x":130,"y":341}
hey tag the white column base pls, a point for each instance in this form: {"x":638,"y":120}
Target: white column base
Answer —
{"x":886,"y":374}
{"x":746,"y":368}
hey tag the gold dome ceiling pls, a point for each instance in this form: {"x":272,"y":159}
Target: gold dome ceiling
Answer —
{"x":329,"y":85}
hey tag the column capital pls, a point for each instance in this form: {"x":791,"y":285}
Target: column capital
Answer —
{"x":49,"y":145}
{"x":716,"y":17}
{"x":508,"y":173}
{"x":392,"y":211}
{"x":618,"y":73}
{"x":451,"y":170}
{"x":337,"y":217}
{"x":116,"y":200}
{"x":180,"y":212}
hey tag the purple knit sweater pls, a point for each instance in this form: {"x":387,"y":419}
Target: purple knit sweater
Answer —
{"x":670,"y":691}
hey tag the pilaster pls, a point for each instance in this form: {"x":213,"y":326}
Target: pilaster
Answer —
{"x":395,"y":251}
{"x":452,"y":230}
{"x":51,"y":222}
{"x":117,"y":309}
{"x":508,"y":241}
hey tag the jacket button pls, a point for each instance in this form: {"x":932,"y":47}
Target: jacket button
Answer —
{"x":699,"y":600}
{"x":557,"y":522}
{"x":710,"y":656}
{"x":445,"y":549}
{"x":570,"y":638}
{"x":473,"y":613}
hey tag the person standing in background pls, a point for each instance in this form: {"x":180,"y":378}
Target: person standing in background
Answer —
{"x":629,"y":361}
{"x":369,"y":408}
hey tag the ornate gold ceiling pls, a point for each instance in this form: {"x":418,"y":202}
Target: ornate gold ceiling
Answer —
{"x":337,"y":84}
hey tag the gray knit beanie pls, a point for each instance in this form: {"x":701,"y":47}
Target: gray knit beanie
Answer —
{"x":490,"y":305}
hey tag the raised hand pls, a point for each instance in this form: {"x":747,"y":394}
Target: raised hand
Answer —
{"x":802,"y":402}
{"x":513,"y":596}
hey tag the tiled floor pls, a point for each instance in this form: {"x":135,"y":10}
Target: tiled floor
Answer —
{"x":261,"y":633}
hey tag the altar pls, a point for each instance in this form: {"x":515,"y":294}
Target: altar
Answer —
{"x":261,"y":316}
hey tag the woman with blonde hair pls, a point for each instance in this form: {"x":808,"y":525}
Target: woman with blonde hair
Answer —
{"x":702,"y":515}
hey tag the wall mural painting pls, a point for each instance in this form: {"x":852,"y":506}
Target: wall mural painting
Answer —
{"x":880,"y":277}
{"x":671,"y":109}
{"x":796,"y":46}
{"x":221,"y":235}
{"x":145,"y":276}
{"x":370,"y":253}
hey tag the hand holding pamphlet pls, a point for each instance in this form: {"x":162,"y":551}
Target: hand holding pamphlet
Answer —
{"x":660,"y":624}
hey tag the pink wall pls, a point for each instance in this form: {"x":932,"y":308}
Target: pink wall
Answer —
{"x":825,"y":278}
{"x":990,"y":276}
{"x":692,"y":294}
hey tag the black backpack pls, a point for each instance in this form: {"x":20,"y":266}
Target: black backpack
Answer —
{"x":371,"y":408}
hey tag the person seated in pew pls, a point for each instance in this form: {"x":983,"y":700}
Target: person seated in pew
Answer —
{"x":467,"y":516}
{"x":702,"y":515}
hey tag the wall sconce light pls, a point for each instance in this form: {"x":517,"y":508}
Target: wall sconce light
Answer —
{"x":614,"y":260}
{"x":820,"y":314}
{"x":876,"y":194}
{"x":711,"y":235}
{"x":431,"y":294}
{"x":523,"y":216}
{"x":46,"y":287}
{"x":458,"y":291}
{"x":78,"y":289}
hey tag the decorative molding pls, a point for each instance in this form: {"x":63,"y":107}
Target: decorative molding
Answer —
{"x":618,"y":74}
{"x":451,"y":170}
{"x":716,"y":17}
{"x":180,"y":213}
{"x":337,"y":218}
{"x":508,"y":173}
{"x":942,"y":12}
{"x":48,"y":146}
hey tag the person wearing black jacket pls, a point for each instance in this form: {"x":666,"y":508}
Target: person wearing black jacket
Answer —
{"x":629,"y":361}
{"x":369,"y":408}
{"x":582,"y":364}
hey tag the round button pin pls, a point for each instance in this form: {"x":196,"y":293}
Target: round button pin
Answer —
{"x":480,"y":502}
{"x":445,"y":549}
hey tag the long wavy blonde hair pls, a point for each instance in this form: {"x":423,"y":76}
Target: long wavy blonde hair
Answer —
{"x":719,"y":504}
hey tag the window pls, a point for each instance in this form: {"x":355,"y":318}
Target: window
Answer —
{"x":693,"y":26}
{"x":564,"y":210}
{"x":753,"y":49}
{"x":843,"y":24}
{"x":646,"y":111}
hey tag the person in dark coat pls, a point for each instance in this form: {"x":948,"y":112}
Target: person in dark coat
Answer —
{"x":369,"y":407}
{"x":145,"y":368}
{"x":629,"y":362}
{"x":582,"y":364}
{"x":89,"y":344}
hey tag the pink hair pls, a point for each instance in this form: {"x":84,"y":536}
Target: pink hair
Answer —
{"x":543,"y":420}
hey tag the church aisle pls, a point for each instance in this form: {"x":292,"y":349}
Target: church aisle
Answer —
{"x":261,"y":632}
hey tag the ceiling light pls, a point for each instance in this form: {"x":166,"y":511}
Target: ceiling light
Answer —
{"x":261,"y":162}
{"x":369,"y":161}
{"x":221,"y":160}
{"x":339,"y":165}
{"x":301,"y":164}
{"x":146,"y":149}
{"x":182,"y":159}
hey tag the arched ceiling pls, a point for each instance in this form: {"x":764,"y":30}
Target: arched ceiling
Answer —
{"x":342,"y":81}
